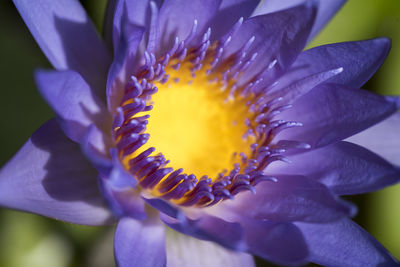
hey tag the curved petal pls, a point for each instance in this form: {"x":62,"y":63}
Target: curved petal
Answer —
{"x":332,"y":112}
{"x":123,"y":201}
{"x":343,"y":167}
{"x":183,"y":251}
{"x":382,"y":138}
{"x":119,"y":190}
{"x":211,"y":228}
{"x":108,"y":25}
{"x":291,"y":198}
{"x":282,"y":242}
{"x":140,"y":243}
{"x":68,"y":38}
{"x":73,"y":101}
{"x":290,"y":91}
{"x":230,"y":11}
{"x":137,"y":12}
{"x":272,"y":6}
{"x":126,"y":47}
{"x":95,"y":147}
{"x":176,"y":19}
{"x":165,"y":207}
{"x":326,"y":10}
{"x":275,"y":39}
{"x":344,"y":243}
{"x":50,"y":176}
{"x":359,"y":60}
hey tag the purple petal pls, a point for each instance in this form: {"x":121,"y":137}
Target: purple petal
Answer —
{"x":176,"y":19}
{"x":95,"y":146}
{"x":140,"y":243}
{"x":211,"y":228}
{"x":73,"y":101}
{"x":230,"y":11}
{"x":124,"y":202}
{"x":278,"y":36}
{"x":331,"y":112}
{"x":326,"y":10}
{"x":119,"y":189}
{"x":382,"y":138}
{"x":68,"y":38}
{"x":108,"y":25}
{"x":344,"y":243}
{"x":282,"y":242}
{"x":291,"y":198}
{"x":290,"y":91}
{"x":138,"y":14}
{"x":344,"y":167}
{"x":166,"y":208}
{"x":125,"y":49}
{"x":272,"y":6}
{"x":184,"y":251}
{"x":360,"y":60}
{"x":50,"y":176}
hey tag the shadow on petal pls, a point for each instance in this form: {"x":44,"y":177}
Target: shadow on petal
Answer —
{"x":69,"y":176}
{"x":50,"y":176}
{"x":94,"y":66}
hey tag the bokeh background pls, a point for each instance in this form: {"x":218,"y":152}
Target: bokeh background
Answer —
{"x":35,"y":241}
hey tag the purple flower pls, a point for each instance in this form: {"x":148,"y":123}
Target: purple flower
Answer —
{"x":210,"y":119}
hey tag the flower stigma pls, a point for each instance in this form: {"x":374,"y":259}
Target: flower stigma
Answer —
{"x":188,"y":132}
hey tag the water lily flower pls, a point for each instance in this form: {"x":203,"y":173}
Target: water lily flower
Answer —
{"x":208,"y":134}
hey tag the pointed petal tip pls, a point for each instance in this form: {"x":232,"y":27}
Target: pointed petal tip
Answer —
{"x":394,"y":99}
{"x":384,"y":40}
{"x":385,"y":43}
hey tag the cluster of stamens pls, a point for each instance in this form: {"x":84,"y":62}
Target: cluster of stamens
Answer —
{"x":152,"y":169}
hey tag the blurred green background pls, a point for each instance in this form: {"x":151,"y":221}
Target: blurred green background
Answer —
{"x":30,"y":240}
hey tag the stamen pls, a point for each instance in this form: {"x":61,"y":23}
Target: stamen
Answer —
{"x":228,"y":37}
{"x":206,"y":63}
{"x":192,"y":32}
{"x":181,"y":189}
{"x":181,"y":46}
{"x":174,"y":48}
{"x":171,"y":181}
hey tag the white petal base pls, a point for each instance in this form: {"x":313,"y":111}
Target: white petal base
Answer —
{"x":183,"y":251}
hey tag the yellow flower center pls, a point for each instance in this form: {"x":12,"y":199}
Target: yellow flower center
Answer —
{"x":186,"y":130}
{"x":195,"y":125}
